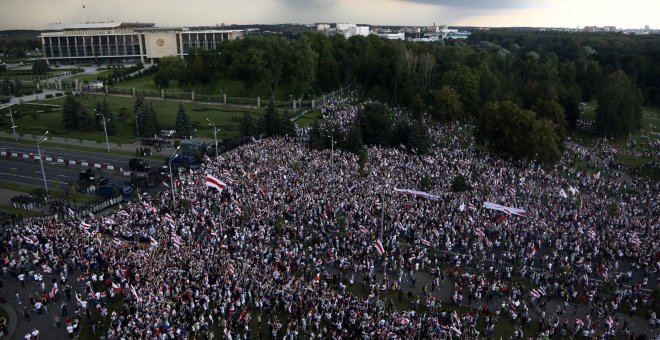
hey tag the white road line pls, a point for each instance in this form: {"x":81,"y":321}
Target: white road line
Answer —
{"x":32,"y":178}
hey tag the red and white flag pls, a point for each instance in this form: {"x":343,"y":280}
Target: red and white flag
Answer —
{"x":176,"y":241}
{"x":508,"y":210}
{"x":215,"y":183}
{"x":84,"y":225}
{"x":532,"y":251}
{"x":480,"y":233}
{"x":137,"y":296}
{"x":591,"y":232}
{"x":425,"y":242}
{"x":116,"y":287}
{"x":169,"y":218}
{"x":417,"y":193}
{"x":153,"y":242}
{"x":379,"y":247}
{"x":116,"y":241}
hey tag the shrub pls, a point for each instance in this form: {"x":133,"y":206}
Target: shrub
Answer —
{"x":49,"y":96}
{"x":59,"y":94}
{"x":460,"y":184}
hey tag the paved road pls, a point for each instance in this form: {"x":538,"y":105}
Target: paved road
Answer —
{"x":57,"y":175}
{"x":91,"y":157}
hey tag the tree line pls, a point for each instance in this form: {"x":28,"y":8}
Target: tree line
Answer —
{"x":510,"y":83}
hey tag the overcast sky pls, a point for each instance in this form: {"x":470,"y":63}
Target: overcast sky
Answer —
{"x":37,"y":14}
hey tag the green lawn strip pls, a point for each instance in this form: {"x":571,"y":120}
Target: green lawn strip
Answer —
{"x":233,"y":88}
{"x":55,"y":193}
{"x":227,"y":118}
{"x":86,"y":329}
{"x":20,"y":212}
{"x":632,"y":162}
{"x":309,"y":118}
{"x":16,"y":187}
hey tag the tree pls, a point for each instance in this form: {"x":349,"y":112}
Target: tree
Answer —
{"x":183,"y":123}
{"x":354,"y":143}
{"x":247,"y":127}
{"x":146,"y":118}
{"x":447,"y":106}
{"x":419,"y":141}
{"x":85,"y":121}
{"x":170,"y":68}
{"x":69,"y":113}
{"x":466,"y":82}
{"x":507,"y":129}
{"x":287,"y":125}
{"x":40,"y":67}
{"x":104,"y":109}
{"x":271,"y":125}
{"x":619,"y":109}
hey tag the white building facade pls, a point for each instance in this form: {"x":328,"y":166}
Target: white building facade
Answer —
{"x":116,"y":42}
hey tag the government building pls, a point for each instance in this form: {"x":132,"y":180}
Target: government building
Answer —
{"x":121,"y":42}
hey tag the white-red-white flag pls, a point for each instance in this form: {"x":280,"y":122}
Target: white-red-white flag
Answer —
{"x":379,"y":247}
{"x":215,"y":183}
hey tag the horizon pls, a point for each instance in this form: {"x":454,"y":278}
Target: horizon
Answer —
{"x":417,"y":13}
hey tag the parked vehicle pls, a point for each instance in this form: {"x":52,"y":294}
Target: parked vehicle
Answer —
{"x":167,"y":133}
{"x":136,"y":164}
{"x":183,"y":161}
{"x":89,"y":177}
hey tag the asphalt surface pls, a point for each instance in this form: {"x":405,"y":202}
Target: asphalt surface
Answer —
{"x":91,"y":157}
{"x":57,"y":175}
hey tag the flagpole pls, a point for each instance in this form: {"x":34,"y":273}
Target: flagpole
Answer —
{"x":382,"y":214}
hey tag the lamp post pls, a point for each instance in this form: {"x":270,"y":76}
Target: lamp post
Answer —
{"x":105,"y":129}
{"x":215,"y":135}
{"x":332,"y":153}
{"x":41,"y":162}
{"x":137,"y":127}
{"x":172,"y":177}
{"x":13,"y":126}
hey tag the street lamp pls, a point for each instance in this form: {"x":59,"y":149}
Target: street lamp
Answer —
{"x":215,"y":135}
{"x":172,"y":177}
{"x":105,"y":129}
{"x":332,"y":153}
{"x":41,"y":162}
{"x":137,"y":127}
{"x":13,"y":126}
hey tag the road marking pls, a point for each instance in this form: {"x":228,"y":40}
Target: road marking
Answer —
{"x":32,"y":178}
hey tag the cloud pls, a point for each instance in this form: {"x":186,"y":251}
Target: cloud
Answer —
{"x":308,"y":3}
{"x":481,"y":4}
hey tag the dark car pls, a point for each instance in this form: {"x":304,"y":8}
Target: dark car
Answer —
{"x":88,"y":176}
{"x":137,"y":164}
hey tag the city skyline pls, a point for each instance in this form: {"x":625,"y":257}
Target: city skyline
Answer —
{"x":479,"y":13}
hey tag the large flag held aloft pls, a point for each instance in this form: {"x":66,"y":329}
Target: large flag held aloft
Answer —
{"x":508,"y":210}
{"x":215,"y":183}
{"x":379,"y":247}
{"x":417,"y":193}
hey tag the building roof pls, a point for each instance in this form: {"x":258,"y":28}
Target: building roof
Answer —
{"x":97,"y":25}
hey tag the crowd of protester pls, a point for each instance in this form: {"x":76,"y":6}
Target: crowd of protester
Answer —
{"x":289,"y":246}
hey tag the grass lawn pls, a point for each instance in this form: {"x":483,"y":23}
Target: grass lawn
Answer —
{"x":20,"y":212}
{"x":225,"y":117}
{"x":57,"y":194}
{"x":309,"y":118}
{"x":233,"y":88}
{"x":91,"y":76}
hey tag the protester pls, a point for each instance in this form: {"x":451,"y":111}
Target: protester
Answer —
{"x":292,"y":232}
